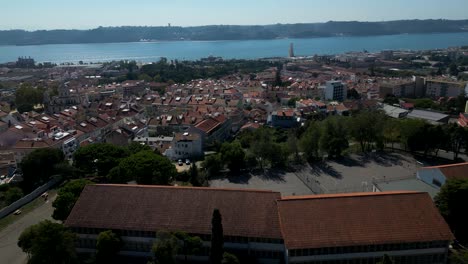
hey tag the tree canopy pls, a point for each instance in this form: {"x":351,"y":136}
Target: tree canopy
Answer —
{"x":48,"y":243}
{"x":67,"y":197}
{"x":165,"y":248}
{"x":13,"y":194}
{"x":99,"y":157}
{"x":233,"y":155}
{"x":39,"y":165}
{"x":145,"y":167}
{"x":451,"y":201}
{"x":108,"y":244}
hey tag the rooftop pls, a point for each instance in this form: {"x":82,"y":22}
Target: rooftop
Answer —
{"x":247,"y":213}
{"x":453,"y":171}
{"x":336,"y":220}
{"x":427,"y":115}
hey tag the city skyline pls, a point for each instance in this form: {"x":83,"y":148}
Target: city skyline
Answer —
{"x":54,"y":14}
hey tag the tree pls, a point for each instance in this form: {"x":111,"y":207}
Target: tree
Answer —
{"x":310,"y":140}
{"x":165,"y":248}
{"x":391,"y":131}
{"x":108,"y":244}
{"x":39,"y":165}
{"x":233,"y":155}
{"x":13,"y":194}
{"x":452,"y":206}
{"x":386,"y":260}
{"x":411,"y":133}
{"x":67,"y":197}
{"x":98,"y":158}
{"x":145,"y":167}
{"x":191,"y":245}
{"x":212,"y":165}
{"x":28,"y":95}
{"x":195,"y":178}
{"x":459,"y":257}
{"x":353,"y":94}
{"x":48,"y":243}
{"x":366,"y":127}
{"x":217,"y":238}
{"x":135,"y":147}
{"x":391,"y":99}
{"x":334,"y":137}
{"x":230,"y":259}
{"x":457,"y":137}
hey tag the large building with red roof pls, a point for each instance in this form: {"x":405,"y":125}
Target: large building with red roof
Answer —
{"x":265,"y":227}
{"x":438,"y":175}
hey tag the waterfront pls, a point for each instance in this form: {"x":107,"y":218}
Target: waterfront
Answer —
{"x":246,"y":49}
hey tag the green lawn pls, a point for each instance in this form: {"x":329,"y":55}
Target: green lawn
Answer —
{"x":6,"y":221}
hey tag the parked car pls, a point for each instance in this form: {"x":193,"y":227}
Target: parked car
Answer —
{"x":180,"y":162}
{"x":187,"y":161}
{"x":17,"y":212}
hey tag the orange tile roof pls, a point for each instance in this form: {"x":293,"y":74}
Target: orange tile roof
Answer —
{"x":453,"y":171}
{"x":246,"y":213}
{"x":360,"y":219}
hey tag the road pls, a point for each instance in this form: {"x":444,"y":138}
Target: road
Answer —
{"x":9,"y":251}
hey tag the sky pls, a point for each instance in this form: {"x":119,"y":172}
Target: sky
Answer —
{"x":85,"y":14}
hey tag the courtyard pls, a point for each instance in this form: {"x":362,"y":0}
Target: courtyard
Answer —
{"x":354,"y":173}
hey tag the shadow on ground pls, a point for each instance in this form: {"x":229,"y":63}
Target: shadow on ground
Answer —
{"x":323,"y":168}
{"x":275,"y":175}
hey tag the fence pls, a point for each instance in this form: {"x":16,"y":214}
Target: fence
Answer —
{"x":28,"y":198}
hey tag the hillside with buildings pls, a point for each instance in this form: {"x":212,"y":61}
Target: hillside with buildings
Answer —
{"x":230,"y":32}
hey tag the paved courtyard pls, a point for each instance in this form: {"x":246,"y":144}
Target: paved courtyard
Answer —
{"x":286,"y":183}
{"x":351,"y":174}
{"x":357,"y":172}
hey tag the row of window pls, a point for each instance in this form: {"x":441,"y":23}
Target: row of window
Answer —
{"x":421,"y":259}
{"x":369,"y":248}
{"x":150,"y":234}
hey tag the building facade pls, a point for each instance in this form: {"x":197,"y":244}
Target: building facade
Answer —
{"x":263,"y":227}
{"x":335,"y":91}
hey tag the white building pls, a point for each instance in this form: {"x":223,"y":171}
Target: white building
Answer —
{"x":336,"y":91}
{"x":185,"y":146}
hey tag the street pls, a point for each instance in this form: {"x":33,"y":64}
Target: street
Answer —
{"x":9,"y":251}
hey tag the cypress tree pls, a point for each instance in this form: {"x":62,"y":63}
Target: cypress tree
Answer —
{"x":217,"y":240}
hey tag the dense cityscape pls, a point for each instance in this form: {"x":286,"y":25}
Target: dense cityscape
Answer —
{"x":358,"y":157}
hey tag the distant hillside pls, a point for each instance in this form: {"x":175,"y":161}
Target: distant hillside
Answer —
{"x":328,"y":29}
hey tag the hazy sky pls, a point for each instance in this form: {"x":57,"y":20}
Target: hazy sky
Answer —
{"x":82,"y":14}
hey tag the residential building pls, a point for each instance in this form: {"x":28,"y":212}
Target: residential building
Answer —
{"x":398,"y":88}
{"x":335,"y":91}
{"x":285,"y":118}
{"x":215,"y":128}
{"x":262,"y":226}
{"x":160,"y":143}
{"x":185,"y":146}
{"x":441,"y":88}
{"x":437,"y":175}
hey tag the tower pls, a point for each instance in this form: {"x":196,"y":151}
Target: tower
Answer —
{"x":291,"y":50}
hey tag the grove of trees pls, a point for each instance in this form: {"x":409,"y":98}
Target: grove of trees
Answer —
{"x":48,"y":243}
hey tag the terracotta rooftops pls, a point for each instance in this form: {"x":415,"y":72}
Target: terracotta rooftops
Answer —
{"x":360,"y":219}
{"x":151,"y":208}
{"x":453,"y":171}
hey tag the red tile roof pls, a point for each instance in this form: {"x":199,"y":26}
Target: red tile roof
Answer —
{"x":247,"y":213}
{"x":453,"y":171}
{"x":360,"y":219}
